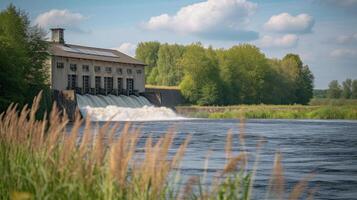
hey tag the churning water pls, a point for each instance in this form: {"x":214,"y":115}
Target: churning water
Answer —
{"x":122,"y":108}
{"x":326,"y":148}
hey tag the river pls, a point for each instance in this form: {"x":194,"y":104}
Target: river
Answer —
{"x":328,"y":149}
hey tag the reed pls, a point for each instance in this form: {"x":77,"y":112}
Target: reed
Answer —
{"x":41,"y":159}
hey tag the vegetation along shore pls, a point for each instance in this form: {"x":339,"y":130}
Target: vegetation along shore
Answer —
{"x":317,"y":109}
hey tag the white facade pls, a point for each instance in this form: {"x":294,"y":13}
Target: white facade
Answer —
{"x":93,"y":70}
{"x":61,"y":68}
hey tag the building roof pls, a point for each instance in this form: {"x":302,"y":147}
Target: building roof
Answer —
{"x":91,"y":53}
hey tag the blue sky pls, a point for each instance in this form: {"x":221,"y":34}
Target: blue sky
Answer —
{"x":322,"y":32}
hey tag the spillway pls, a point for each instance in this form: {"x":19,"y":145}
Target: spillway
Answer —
{"x":122,"y":108}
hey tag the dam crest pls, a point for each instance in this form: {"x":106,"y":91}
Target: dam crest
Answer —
{"x":122,"y":108}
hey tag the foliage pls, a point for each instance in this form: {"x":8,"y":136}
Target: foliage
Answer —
{"x":169,"y":72}
{"x":148,"y":53}
{"x":334,"y":90}
{"x":23,"y":53}
{"x":320,"y":109}
{"x":43,"y":159}
{"x":200,"y":83}
{"x":347,"y":89}
{"x":319,"y":93}
{"x":241,"y":74}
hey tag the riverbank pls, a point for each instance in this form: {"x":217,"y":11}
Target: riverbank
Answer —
{"x":318,"y":109}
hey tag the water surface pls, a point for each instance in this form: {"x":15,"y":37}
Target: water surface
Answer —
{"x":326,"y":148}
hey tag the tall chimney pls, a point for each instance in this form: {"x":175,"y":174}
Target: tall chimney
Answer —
{"x":57,"y":35}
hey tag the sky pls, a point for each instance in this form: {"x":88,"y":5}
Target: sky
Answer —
{"x":322,"y":32}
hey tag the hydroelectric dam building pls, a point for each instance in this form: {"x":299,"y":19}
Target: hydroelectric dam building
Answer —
{"x":89,"y":70}
{"x":103,"y":83}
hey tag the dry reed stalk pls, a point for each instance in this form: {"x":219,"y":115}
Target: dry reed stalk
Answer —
{"x":300,"y":187}
{"x":209,"y":153}
{"x":121,"y":153}
{"x":255,"y":168}
{"x":69,"y":143}
{"x":180,"y":152}
{"x":229,"y":144}
{"x":231,"y":166}
{"x":276,"y":182}
{"x":98,"y":149}
{"x":86,"y":138}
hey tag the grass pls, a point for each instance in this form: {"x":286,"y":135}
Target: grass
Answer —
{"x":41,"y":159}
{"x":318,"y":109}
{"x":162,"y":87}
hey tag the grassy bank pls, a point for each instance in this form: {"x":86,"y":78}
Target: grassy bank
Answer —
{"x":41,"y":159}
{"x":318,"y":109}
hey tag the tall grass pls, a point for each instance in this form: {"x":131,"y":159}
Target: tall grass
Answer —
{"x":41,"y":159}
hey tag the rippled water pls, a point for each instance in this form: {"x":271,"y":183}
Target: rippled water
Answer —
{"x":326,"y":148}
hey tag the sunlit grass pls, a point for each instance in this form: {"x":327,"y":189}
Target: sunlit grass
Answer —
{"x":41,"y":159}
{"x":327,"y":111}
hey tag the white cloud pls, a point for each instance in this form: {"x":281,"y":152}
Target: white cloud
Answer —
{"x":127,"y":48}
{"x":215,"y":19}
{"x":287,"y":23}
{"x":60,"y":18}
{"x":347,"y":39}
{"x":344,"y":53}
{"x":286,"y":41}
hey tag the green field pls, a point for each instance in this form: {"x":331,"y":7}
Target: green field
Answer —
{"x":317,"y":109}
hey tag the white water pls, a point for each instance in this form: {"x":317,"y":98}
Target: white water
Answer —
{"x":122,"y":108}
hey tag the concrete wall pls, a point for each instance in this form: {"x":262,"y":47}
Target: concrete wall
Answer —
{"x":66,"y":102}
{"x":164,"y":97}
{"x":59,"y":76}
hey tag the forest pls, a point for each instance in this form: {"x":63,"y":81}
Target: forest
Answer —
{"x":241,"y":74}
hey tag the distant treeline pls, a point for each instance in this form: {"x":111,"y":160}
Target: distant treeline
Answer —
{"x":348,"y":90}
{"x":23,"y":53}
{"x":239,"y":75}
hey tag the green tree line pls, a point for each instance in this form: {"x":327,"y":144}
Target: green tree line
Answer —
{"x":241,"y":74}
{"x":348,"y":89}
{"x":23,"y":53}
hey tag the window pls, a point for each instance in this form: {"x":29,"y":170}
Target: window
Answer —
{"x":120,"y":85}
{"x":130,"y":85}
{"x":108,"y":84}
{"x":119,"y":71}
{"x":72,"y":82}
{"x":97,"y":84}
{"x":108,"y":69}
{"x":85,"y":68}
{"x":73,"y":67}
{"x":97,"y":68}
{"x":60,"y":65}
{"x":138,"y":71}
{"x":129,"y":71}
{"x":86,"y":84}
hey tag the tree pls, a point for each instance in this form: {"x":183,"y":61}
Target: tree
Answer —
{"x":169,"y":71}
{"x":334,"y":90}
{"x":23,"y":53}
{"x":148,"y":53}
{"x":305,"y":89}
{"x":354,"y":89}
{"x":200,"y":83}
{"x":347,"y":89}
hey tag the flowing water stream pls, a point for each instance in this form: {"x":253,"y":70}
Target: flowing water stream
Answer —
{"x":326,"y":148}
